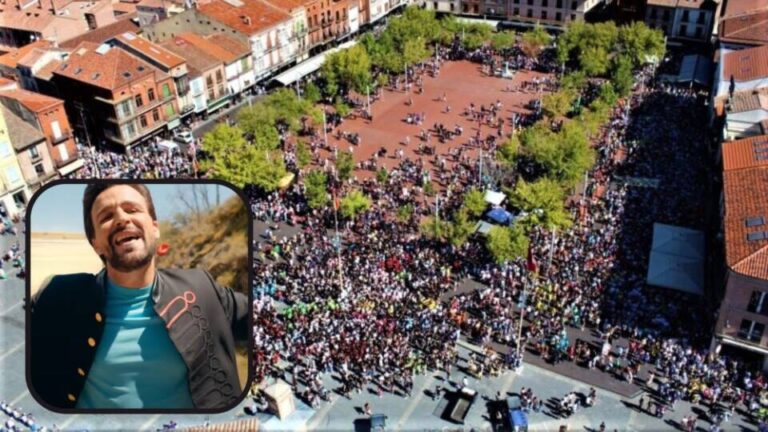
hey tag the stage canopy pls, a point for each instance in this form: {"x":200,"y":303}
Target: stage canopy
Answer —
{"x":500,"y":216}
{"x":494,"y":198}
{"x":677,"y":259}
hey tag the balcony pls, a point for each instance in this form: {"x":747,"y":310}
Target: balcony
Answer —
{"x":63,"y":137}
{"x":141,"y":110}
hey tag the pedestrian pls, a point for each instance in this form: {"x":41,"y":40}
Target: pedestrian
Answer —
{"x":641,"y":403}
{"x":602,"y":427}
{"x":367,"y":409}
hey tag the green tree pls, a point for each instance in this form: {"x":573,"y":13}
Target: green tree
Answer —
{"x":594,"y":60}
{"x":472,"y":41}
{"x":474,"y":203}
{"x":414,"y":51}
{"x":641,"y":44}
{"x":509,"y":151}
{"x":535,"y":40}
{"x":460,"y":229}
{"x":354,"y":203}
{"x":558,"y":104}
{"x":382,"y":175}
{"x":350,"y":68}
{"x":236,"y":161}
{"x":345,"y":164}
{"x":434,"y":229}
{"x":303,"y":155}
{"x":316,"y":189}
{"x":543,"y":201}
{"x":341,"y":108}
{"x":622,"y":77}
{"x":507,"y":243}
{"x":575,"y":81}
{"x":503,"y":40}
{"x":312,"y":93}
{"x":404,"y":212}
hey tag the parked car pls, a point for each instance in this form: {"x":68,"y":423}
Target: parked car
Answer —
{"x":464,"y":400}
{"x":183,"y":136}
{"x":518,"y":421}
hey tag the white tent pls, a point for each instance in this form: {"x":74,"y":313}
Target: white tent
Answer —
{"x":280,"y":399}
{"x":167,"y":145}
{"x":677,"y":259}
{"x":495,"y":198}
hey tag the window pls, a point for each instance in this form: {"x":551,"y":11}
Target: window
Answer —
{"x":530,"y":2}
{"x":544,"y":3}
{"x":434,"y":5}
{"x":683,"y":30}
{"x":452,"y":7}
{"x":151,"y":94}
{"x":56,"y":129}
{"x":751,"y":330}
{"x":516,"y":12}
{"x":516,"y":1}
{"x":39,"y":169}
{"x":559,"y":4}
{"x":218,"y":76}
{"x":653,"y":13}
{"x":543,"y":15}
{"x":166,"y":90}
{"x":156,"y":115}
{"x":558,"y":16}
{"x":573,"y":17}
{"x":666,"y":15}
{"x":143,"y":121}
{"x":138,"y":100}
{"x":758,"y":303}
{"x":211,"y":95}
{"x":12,"y":174}
{"x":686,"y":15}
{"x":698,"y":32}
{"x":33,"y":153}
{"x":129,"y":130}
{"x":63,"y":153}
{"x":701,"y":18}
{"x":169,"y":111}
{"x":530,"y":13}
{"x":244,"y":64}
{"x":124,"y":108}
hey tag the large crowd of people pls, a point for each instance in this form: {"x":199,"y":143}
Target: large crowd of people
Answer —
{"x":372,"y":306}
{"x":149,"y":161}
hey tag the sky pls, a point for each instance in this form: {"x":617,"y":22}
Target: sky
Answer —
{"x":60,"y":207}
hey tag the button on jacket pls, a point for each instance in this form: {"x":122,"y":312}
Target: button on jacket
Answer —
{"x":203,"y":320}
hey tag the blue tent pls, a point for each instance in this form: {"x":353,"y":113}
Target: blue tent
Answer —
{"x":500,"y":216}
{"x":518,"y":420}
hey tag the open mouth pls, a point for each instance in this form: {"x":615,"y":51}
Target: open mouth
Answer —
{"x":125,"y":238}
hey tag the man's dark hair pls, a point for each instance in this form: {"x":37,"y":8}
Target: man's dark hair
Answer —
{"x":93,"y":190}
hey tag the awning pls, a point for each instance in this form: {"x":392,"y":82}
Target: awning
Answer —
{"x":74,"y":166}
{"x":308,"y":66}
{"x":483,"y":227}
{"x":677,"y":259}
{"x":493,"y":197}
{"x":173,"y":124}
{"x":500,"y":216}
{"x":218,"y":104}
{"x":742,"y":345}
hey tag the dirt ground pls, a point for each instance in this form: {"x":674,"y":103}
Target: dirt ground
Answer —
{"x":462,"y":82}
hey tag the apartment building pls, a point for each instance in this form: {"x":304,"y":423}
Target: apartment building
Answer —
{"x":114,"y":97}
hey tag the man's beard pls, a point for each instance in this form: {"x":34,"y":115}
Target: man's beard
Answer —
{"x":126,"y":263}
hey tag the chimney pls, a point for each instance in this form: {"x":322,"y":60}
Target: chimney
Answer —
{"x":53,"y":6}
{"x":247,"y":20}
{"x":39,"y":4}
{"x":18,"y":4}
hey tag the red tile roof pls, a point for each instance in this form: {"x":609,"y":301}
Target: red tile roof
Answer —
{"x":741,"y":154}
{"x":749,"y":28}
{"x":151,"y":50}
{"x":230,"y":44}
{"x":12,"y":58}
{"x":252,"y":17}
{"x":738,"y":7}
{"x":198,"y":61}
{"x":35,"y":102}
{"x":111,"y":69}
{"x":747,"y":64}
{"x":208,"y":47}
{"x":745,"y":186}
{"x":103,"y":34}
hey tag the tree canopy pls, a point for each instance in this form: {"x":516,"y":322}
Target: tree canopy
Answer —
{"x":543,"y":201}
{"x":234,"y":160}
{"x":354,"y":203}
{"x":507,"y":243}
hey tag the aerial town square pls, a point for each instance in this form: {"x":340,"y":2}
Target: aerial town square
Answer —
{"x":530,"y":215}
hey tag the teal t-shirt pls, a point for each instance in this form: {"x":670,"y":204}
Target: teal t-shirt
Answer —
{"x":136,"y":364}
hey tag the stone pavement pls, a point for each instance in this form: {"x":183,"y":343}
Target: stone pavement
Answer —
{"x":421,"y":412}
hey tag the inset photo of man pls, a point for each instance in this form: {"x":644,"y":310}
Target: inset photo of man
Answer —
{"x":138,"y":297}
